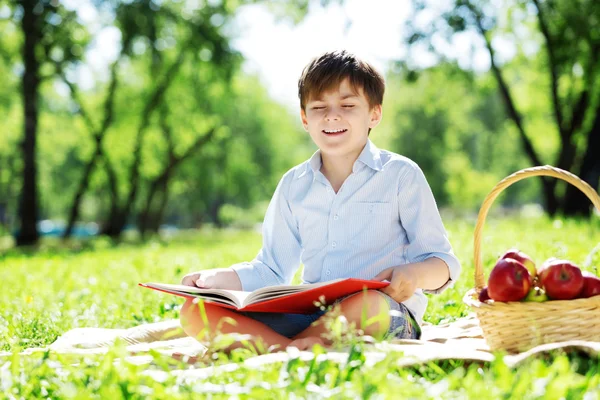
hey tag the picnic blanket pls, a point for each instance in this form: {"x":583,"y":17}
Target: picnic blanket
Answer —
{"x":458,"y":340}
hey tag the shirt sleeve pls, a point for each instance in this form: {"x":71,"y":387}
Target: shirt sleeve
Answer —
{"x":279,"y":257}
{"x":421,"y":220}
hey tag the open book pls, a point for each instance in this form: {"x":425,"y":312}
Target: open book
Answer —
{"x":298,"y":299}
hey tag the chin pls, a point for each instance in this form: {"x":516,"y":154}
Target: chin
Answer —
{"x":341,"y":149}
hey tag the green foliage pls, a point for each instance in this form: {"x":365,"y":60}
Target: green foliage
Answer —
{"x":450,"y":120}
{"x":450,"y":123}
{"x":94,"y":284}
{"x":240,"y":167}
{"x":262,"y":142}
{"x":545,"y":67}
{"x":107,"y":377}
{"x":242,"y":218}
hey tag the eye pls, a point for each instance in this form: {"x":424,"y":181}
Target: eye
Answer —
{"x":317,"y":107}
{"x":348,"y":105}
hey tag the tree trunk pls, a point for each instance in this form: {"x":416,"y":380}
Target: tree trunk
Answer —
{"x":155,"y":217}
{"x":119,"y":218}
{"x":110,"y":227}
{"x":5,"y":192}
{"x":146,"y":216}
{"x":550,"y":200}
{"x":28,"y":203}
{"x":114,"y":226}
{"x":213,"y":210}
{"x":160,"y":213}
{"x":575,"y":202}
{"x":83,"y":186}
{"x":98,"y":138}
{"x":150,"y":220}
{"x":8,"y":192}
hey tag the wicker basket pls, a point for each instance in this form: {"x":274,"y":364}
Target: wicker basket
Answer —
{"x":519,"y":326}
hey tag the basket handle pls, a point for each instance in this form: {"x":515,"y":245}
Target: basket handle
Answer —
{"x":545,"y":170}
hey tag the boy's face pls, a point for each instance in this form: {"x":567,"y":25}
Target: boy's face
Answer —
{"x":338,"y":121}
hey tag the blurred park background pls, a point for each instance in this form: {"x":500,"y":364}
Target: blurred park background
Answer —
{"x":148,"y":116}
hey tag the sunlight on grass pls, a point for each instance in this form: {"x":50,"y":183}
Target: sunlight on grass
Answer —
{"x":46,"y":293}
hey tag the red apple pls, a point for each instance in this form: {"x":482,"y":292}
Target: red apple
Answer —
{"x":483,"y":295}
{"x":545,"y":264}
{"x":509,"y":280}
{"x":523,"y":258}
{"x":591,"y":285}
{"x":561,"y":279}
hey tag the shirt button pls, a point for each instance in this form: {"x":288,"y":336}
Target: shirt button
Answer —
{"x":335,"y":217}
{"x":328,"y":272}
{"x":333,"y":244}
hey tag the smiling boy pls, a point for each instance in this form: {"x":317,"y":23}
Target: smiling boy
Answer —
{"x":350,"y":211}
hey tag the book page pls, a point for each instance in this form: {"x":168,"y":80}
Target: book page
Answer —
{"x":231,"y":297}
{"x":271,"y":292}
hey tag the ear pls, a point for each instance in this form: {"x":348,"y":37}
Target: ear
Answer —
{"x":304,"y":119}
{"x":376,"y":115}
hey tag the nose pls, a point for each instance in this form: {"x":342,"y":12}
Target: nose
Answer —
{"x":332,"y":114}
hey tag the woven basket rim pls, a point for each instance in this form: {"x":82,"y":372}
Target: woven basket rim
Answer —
{"x":517,"y":326}
{"x":546,"y":170}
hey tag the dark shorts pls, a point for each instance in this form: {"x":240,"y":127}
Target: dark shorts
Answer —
{"x":402,"y":323}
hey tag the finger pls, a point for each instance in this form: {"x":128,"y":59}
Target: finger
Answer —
{"x":400,"y":295}
{"x":189,"y":280}
{"x":383,"y":275}
{"x":389,"y":291}
{"x":206,"y":282}
{"x":403,"y":297}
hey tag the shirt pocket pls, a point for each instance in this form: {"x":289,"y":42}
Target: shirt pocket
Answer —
{"x":369,"y":208}
{"x":371,"y":225}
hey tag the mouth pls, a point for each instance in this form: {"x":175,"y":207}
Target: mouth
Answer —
{"x":334,"y":132}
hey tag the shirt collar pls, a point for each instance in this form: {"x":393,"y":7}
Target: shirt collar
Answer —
{"x":369,"y":156}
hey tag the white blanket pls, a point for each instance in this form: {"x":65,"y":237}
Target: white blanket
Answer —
{"x":459,"y":340}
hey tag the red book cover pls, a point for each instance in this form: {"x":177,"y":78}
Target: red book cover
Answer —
{"x":297,"y":299}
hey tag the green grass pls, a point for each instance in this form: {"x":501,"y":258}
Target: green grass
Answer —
{"x":57,"y":288}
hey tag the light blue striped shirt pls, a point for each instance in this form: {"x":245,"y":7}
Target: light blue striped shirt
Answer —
{"x":384,"y":215}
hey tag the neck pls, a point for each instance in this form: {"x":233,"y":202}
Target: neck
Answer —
{"x":337,"y":168}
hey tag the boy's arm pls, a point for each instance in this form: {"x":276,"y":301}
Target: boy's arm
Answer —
{"x":279,"y":257}
{"x":432,"y":265}
{"x":429,"y":275}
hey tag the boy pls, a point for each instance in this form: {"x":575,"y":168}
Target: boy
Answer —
{"x":351,"y":210}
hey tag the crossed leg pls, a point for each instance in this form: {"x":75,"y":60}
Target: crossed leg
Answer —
{"x":357,"y":309}
{"x":222,"y":321}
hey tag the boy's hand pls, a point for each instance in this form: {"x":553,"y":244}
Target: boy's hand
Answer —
{"x":403,"y":281}
{"x":219,"y":278}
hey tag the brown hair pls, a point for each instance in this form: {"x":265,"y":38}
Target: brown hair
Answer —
{"x":328,"y":70}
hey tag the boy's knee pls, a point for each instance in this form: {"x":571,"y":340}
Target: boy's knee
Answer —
{"x":186,"y":309}
{"x":368,"y":310}
{"x":189,"y":315}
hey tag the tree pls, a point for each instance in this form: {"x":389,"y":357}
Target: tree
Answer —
{"x":568,"y":34}
{"x":46,"y":28}
{"x":10,"y":115}
{"x":145,"y":21}
{"x":201,"y":47}
{"x":28,"y":204}
{"x":451,"y":122}
{"x":158,"y":41}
